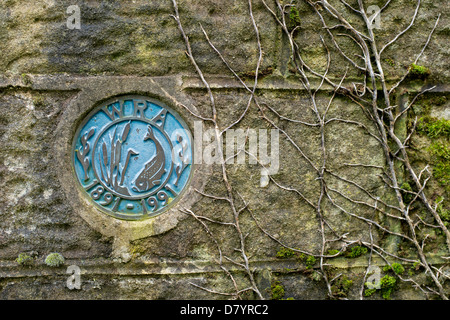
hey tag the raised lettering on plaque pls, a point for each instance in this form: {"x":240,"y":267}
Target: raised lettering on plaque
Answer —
{"x":132,"y":157}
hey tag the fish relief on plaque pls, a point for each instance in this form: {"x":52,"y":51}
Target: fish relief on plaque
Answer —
{"x":132,"y":156}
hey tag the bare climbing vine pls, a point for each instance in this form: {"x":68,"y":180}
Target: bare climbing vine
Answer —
{"x":374,"y":96}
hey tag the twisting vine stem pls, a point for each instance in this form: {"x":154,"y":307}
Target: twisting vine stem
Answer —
{"x":373,"y":96}
{"x":218,"y":138}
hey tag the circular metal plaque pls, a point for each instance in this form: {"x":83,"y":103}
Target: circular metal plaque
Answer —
{"x":133,"y":157}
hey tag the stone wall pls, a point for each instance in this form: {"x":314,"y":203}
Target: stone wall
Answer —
{"x":52,"y":76}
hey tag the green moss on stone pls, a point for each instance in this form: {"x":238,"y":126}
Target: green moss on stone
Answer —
{"x":54,"y":260}
{"x":441,"y":168}
{"x":341,"y":287}
{"x":310,"y":262}
{"x":398,"y":268}
{"x":387,"y":284}
{"x":284,"y":253}
{"x":417,"y":71}
{"x":277,"y":290}
{"x":24,"y":259}
{"x":407,"y":197}
{"x":346,"y":283}
{"x":369,"y":292}
{"x":356,"y":251}
{"x":440,"y":149}
{"x":294,"y":18}
{"x":332,"y":252}
{"x":442,"y":212}
{"x":441,"y":172}
{"x":301,"y":256}
{"x":390,"y":62}
{"x":439,"y":131}
{"x":433,"y":127}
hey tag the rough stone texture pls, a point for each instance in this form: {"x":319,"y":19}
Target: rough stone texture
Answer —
{"x":134,"y":38}
{"x":48,"y":72}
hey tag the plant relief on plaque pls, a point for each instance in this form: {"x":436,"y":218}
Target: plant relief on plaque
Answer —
{"x":133,"y":157}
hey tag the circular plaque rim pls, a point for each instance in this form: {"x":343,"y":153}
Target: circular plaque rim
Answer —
{"x":132,"y":216}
